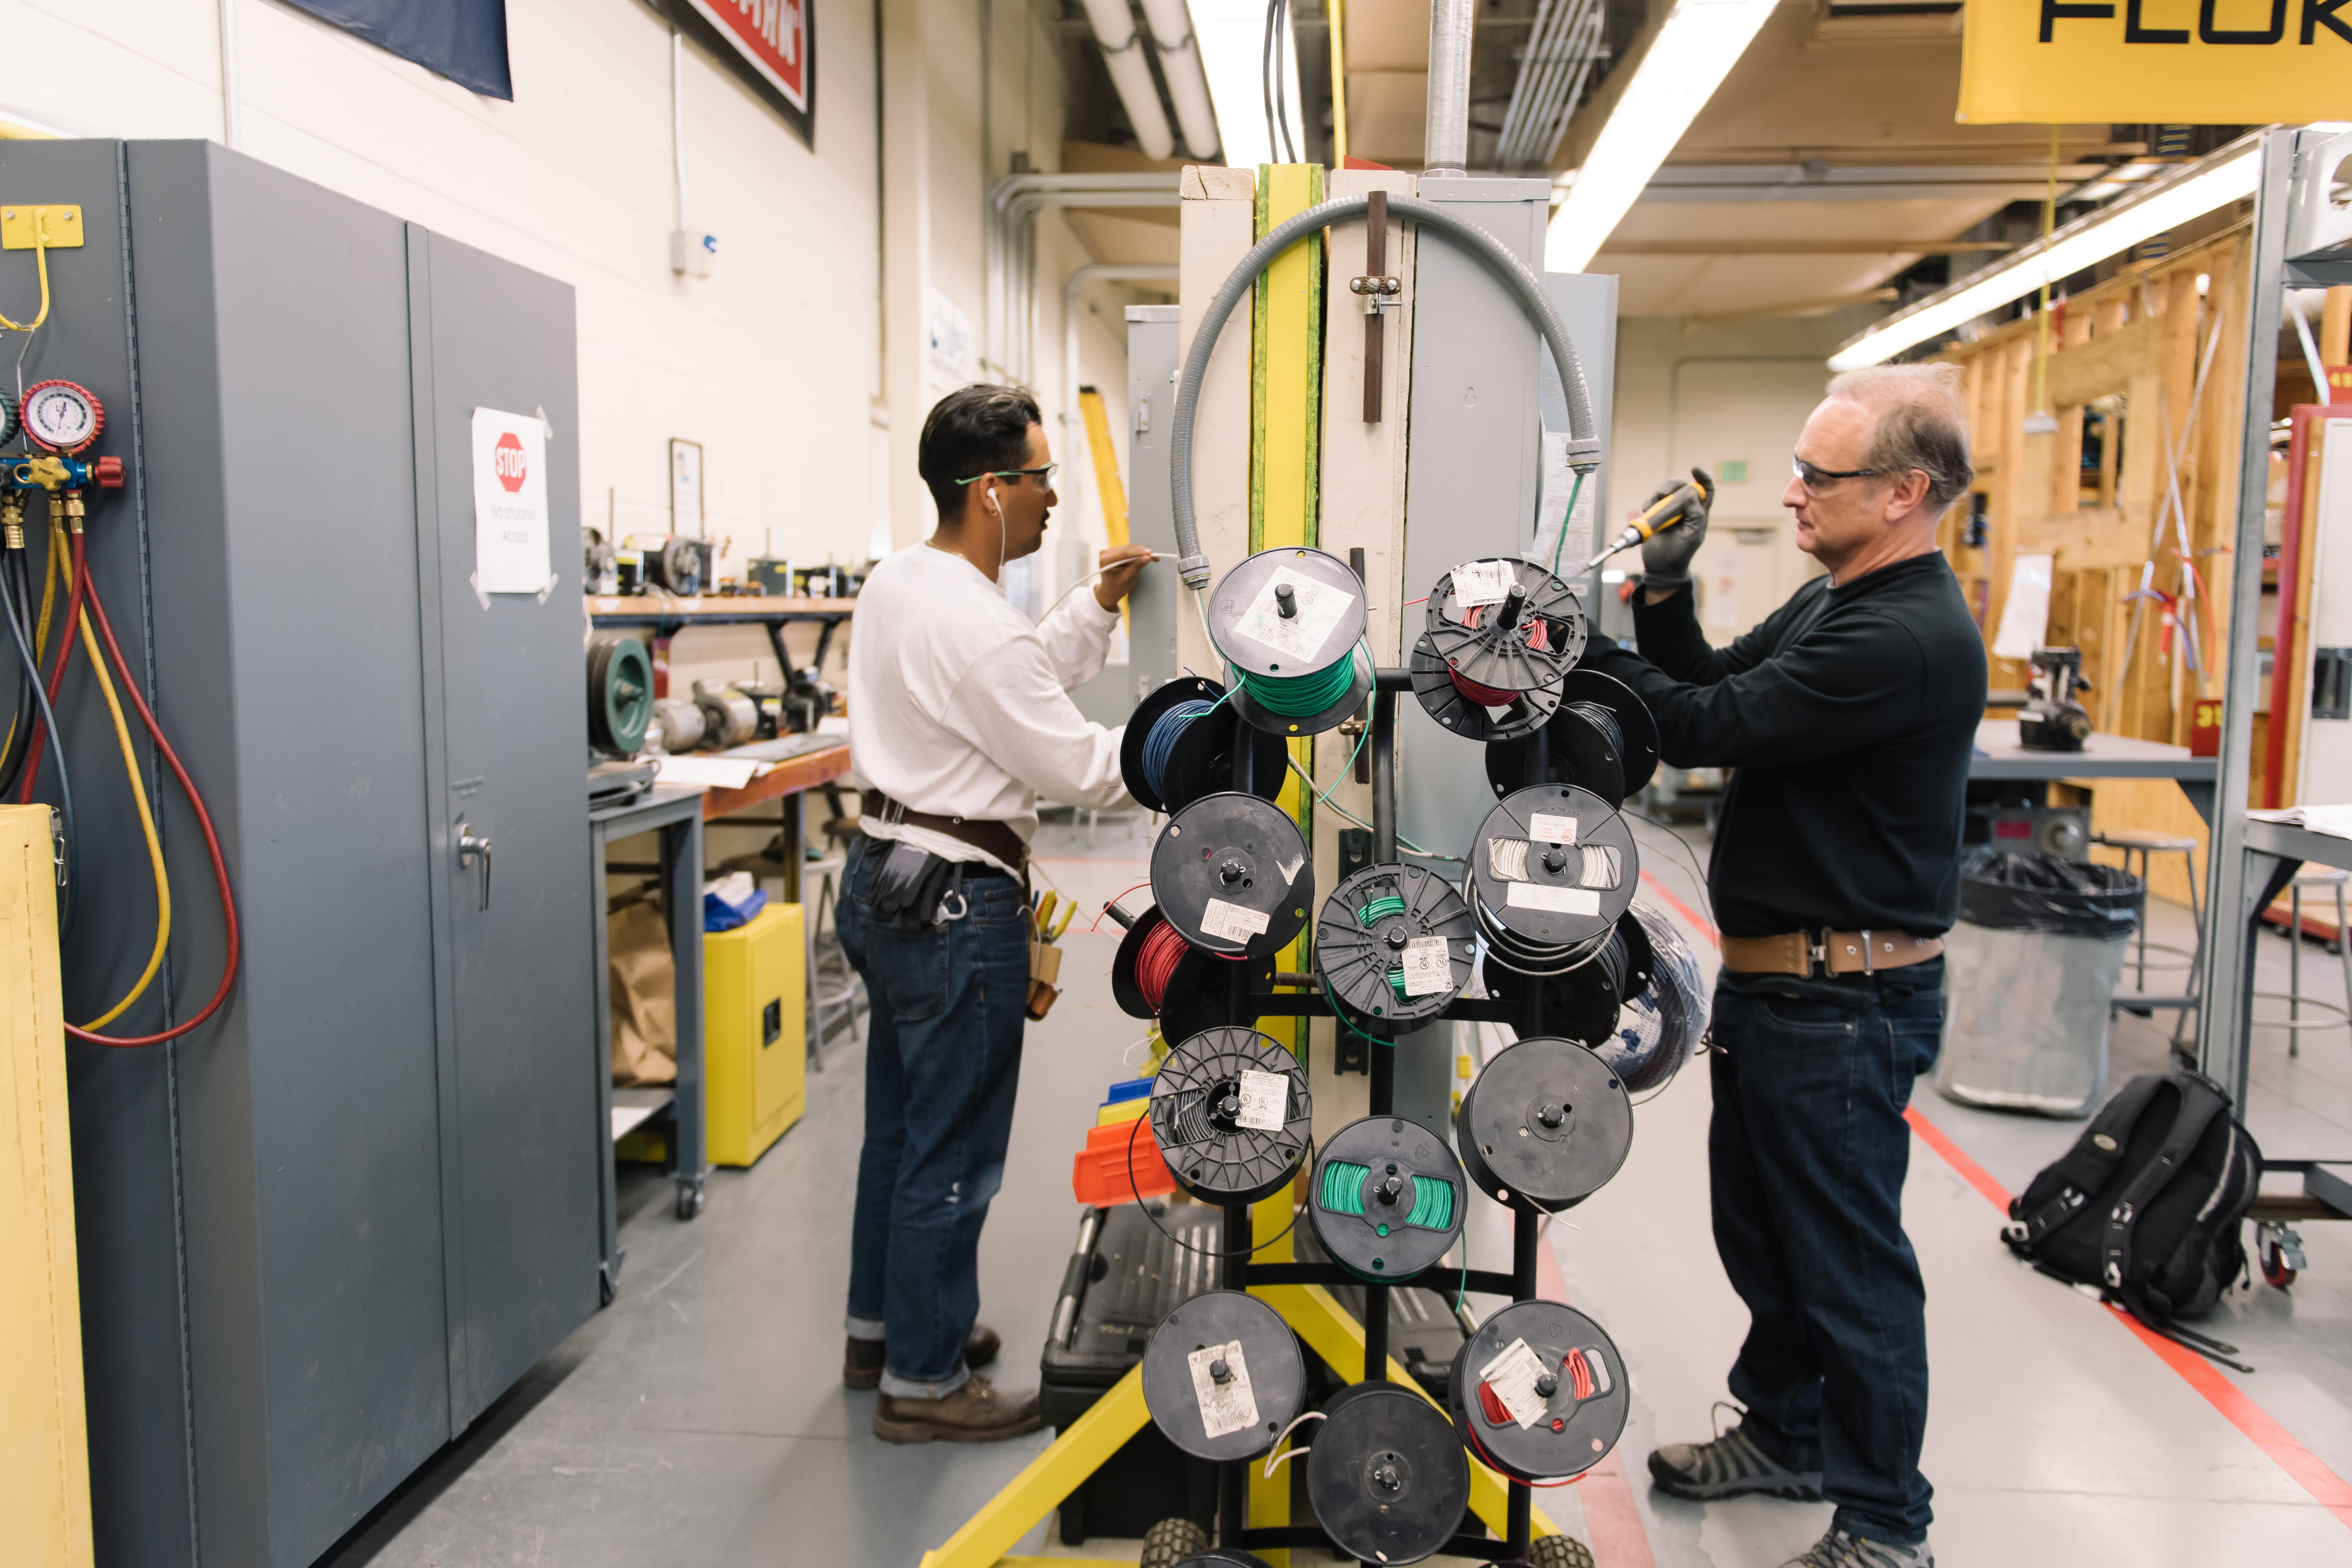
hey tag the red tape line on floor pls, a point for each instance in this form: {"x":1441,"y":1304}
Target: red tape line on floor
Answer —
{"x":1613,"y":1520}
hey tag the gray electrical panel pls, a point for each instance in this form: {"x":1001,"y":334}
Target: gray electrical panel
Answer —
{"x":1151,"y":342}
{"x":322,"y":1232}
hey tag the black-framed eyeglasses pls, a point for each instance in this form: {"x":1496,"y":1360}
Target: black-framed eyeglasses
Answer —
{"x":1044,"y":475}
{"x":1819,"y":479}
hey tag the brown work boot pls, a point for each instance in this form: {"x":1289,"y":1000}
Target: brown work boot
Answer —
{"x":976,"y":1413}
{"x":861,"y":1363}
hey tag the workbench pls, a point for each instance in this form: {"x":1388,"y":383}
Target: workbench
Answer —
{"x":1999,"y":757}
{"x":666,"y":615}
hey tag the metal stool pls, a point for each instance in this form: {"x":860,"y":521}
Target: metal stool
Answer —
{"x":836,"y":1002}
{"x":2134,"y":841}
{"x":2294,"y":1022}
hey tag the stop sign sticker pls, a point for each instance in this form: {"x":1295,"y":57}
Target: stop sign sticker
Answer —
{"x":511,"y":526}
{"x":508,"y":462}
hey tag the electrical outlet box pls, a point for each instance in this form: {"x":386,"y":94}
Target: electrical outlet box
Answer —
{"x":694,"y":252}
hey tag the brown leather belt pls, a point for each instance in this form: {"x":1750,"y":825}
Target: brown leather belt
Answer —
{"x":1838,"y":952}
{"x":995,"y":838}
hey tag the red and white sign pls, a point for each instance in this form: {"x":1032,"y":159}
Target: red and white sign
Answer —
{"x":508,"y":462}
{"x":772,"y":35}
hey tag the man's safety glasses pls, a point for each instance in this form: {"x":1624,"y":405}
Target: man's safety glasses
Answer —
{"x":1044,"y":475}
{"x":1819,"y":480}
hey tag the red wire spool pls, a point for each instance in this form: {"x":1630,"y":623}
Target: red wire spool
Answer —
{"x":1156,"y":961}
{"x":1583,"y":1397}
{"x":1538,"y":639}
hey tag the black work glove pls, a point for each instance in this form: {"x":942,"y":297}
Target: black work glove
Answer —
{"x":1666,"y":555}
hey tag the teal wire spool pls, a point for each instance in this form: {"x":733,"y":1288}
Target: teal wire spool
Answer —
{"x":1289,"y":624}
{"x":1372,"y":926}
{"x":1387,"y":1199}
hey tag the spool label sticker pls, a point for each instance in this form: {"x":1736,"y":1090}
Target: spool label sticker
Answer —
{"x":1227,"y":1406}
{"x":1231,"y":923}
{"x":1552,"y":830}
{"x":1512,"y":1375}
{"x":1554,"y":900}
{"x":1266,"y":1103}
{"x":1320,"y":607}
{"x":1428,"y":968}
{"x":1482,"y":582}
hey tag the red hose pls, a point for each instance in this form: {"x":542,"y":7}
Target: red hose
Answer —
{"x":57,"y":676}
{"x":204,"y":817}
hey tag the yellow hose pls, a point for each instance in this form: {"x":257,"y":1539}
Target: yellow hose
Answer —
{"x":41,"y":258}
{"x":146,"y":825}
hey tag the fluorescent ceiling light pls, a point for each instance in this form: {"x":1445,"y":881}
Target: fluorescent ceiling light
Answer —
{"x":2155,"y":206}
{"x":1232,"y":38}
{"x":1694,"y":51}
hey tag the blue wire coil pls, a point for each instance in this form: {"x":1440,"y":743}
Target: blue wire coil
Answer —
{"x":1165,"y":733}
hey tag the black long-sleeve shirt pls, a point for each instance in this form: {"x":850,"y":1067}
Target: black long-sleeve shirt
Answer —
{"x":1850,"y":715}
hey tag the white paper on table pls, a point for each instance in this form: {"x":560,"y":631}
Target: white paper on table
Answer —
{"x":510,"y":555}
{"x":2336,"y":821}
{"x":710,"y":772}
{"x":2025,"y":617}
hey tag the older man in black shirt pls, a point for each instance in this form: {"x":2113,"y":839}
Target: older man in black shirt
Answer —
{"x":1849,"y":716}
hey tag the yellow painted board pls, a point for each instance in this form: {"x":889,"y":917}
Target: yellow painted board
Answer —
{"x":45,"y":1485}
{"x":1084,"y":1447}
{"x":1325,"y":1327}
{"x":1105,"y":453}
{"x":754,"y":1032}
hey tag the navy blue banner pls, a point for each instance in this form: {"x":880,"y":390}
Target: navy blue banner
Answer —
{"x":464,"y":40}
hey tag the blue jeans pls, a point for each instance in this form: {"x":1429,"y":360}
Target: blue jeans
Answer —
{"x":1806,"y":1157}
{"x":942,"y":1061}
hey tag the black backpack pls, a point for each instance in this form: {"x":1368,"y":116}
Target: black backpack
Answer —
{"x":2147,"y":1205}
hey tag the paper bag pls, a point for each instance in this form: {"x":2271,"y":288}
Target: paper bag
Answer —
{"x":644,"y":981}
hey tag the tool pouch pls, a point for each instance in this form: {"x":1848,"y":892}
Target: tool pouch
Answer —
{"x":907,"y":889}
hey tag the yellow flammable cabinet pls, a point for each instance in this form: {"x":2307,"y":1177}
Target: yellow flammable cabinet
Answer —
{"x":754,"y":1032}
{"x":45,"y":1478}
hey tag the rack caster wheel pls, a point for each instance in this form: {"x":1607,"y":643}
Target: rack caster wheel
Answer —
{"x":1171,"y":1541}
{"x":1559,"y":1552}
{"x":2281,"y":1252}
{"x":2275,"y":1272}
{"x":690,"y":1197}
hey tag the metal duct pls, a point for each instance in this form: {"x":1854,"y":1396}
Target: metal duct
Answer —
{"x":1562,"y":46}
{"x":1130,"y":75}
{"x":1447,"y":144}
{"x":1013,"y":204}
{"x":1180,"y":68}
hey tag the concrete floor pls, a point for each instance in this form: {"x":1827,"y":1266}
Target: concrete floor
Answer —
{"x":700,"y":1419}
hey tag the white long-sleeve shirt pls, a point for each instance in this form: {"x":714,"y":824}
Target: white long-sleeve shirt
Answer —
{"x":959,"y":707}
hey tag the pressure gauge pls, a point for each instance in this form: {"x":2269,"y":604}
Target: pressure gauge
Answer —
{"x":61,"y":416}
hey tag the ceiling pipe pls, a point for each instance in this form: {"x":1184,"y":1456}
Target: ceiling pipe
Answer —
{"x":1013,"y":203}
{"x":1180,"y":68}
{"x":1130,"y":75}
{"x":1446,"y":149}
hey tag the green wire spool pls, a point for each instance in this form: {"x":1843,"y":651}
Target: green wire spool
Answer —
{"x":1395,"y":945}
{"x":1289,"y":624}
{"x":1386,"y":1201}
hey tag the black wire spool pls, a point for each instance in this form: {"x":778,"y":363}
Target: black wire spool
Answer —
{"x":1502,"y":677}
{"x":1387,"y":1475}
{"x":620,"y":694}
{"x":1168,"y":770}
{"x":1581,"y":1386}
{"x":1604,"y":738}
{"x":1584,"y":1003}
{"x":1388,"y":1199}
{"x":1233,"y":875}
{"x":1283,"y":618}
{"x":1544,"y":1126}
{"x":1204,"y":1125}
{"x":1365,"y":966}
{"x":1223,"y":1376}
{"x":1551,"y":869}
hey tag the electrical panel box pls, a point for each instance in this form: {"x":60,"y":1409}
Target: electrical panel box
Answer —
{"x":754,"y":1032}
{"x":1151,"y":609}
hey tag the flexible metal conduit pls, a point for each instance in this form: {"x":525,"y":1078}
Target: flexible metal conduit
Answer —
{"x":1583,"y":445}
{"x":1446,"y":138}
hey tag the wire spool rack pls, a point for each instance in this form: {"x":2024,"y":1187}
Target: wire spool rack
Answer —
{"x":1290,"y":624}
{"x":1604,"y":738}
{"x":1387,"y":1475}
{"x":1158,"y":974}
{"x":1223,"y":1376}
{"x":1180,"y":744}
{"x":1539,"y":1393}
{"x":1395,"y":944}
{"x":1500,"y":637}
{"x":1387,"y":1199}
{"x":1231,"y":873}
{"x":1232,"y":1114}
{"x":1552,"y":868}
{"x":1544,"y":1126}
{"x":1584,"y":1002}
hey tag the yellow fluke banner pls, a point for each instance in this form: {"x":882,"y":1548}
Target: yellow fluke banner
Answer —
{"x":2183,"y":62}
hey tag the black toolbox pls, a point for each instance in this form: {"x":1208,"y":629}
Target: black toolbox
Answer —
{"x":1125,"y":1275}
{"x":1423,"y":1333}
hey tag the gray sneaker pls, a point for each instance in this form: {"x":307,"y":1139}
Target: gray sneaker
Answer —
{"x":1840,"y":1550}
{"x":1731,"y":1466}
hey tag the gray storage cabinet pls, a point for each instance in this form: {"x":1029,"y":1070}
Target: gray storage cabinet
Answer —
{"x":320,"y":1235}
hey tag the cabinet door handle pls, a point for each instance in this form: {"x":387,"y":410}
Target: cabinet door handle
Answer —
{"x":471,"y":849}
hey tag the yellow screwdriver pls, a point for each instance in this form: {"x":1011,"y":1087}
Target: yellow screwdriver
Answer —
{"x":1664,"y":513}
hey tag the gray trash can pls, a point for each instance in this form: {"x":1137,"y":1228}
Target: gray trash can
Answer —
{"x":2030,"y":971}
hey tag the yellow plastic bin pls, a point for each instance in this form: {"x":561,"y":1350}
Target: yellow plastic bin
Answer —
{"x":754,"y":1033}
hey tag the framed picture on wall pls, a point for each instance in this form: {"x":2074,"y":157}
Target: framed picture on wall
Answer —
{"x":686,"y":512}
{"x":771,"y":45}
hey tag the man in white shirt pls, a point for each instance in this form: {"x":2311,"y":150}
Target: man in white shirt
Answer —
{"x":960,"y":718}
